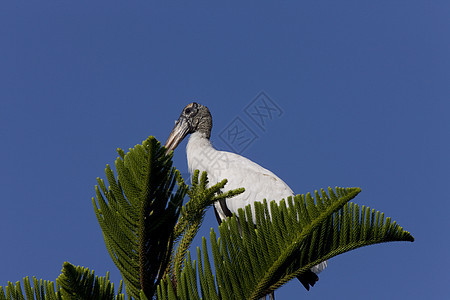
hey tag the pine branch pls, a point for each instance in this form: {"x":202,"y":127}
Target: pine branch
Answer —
{"x":253,"y":260}
{"x":80,"y":283}
{"x":139,"y":214}
{"x":192,"y":215}
{"x":76,"y":283}
{"x":41,"y":289}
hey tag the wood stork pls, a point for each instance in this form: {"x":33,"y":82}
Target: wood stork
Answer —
{"x":259,"y":183}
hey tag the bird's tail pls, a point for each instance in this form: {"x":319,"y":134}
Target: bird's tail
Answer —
{"x":309,"y":278}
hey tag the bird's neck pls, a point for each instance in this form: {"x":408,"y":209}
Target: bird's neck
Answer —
{"x":199,"y":151}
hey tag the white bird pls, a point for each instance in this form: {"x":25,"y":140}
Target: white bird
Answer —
{"x":259,"y":183}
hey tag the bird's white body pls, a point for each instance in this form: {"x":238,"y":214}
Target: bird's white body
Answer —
{"x":259,"y":183}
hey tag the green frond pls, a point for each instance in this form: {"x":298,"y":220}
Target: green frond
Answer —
{"x":137,"y":214}
{"x":41,"y":289}
{"x":76,"y":283}
{"x":192,"y":215}
{"x":80,"y":283}
{"x":324,"y":227}
{"x":251,"y":261}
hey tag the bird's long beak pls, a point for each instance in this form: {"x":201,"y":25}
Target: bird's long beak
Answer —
{"x":179,"y":132}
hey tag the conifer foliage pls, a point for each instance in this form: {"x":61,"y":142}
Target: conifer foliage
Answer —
{"x":253,"y":260}
{"x":148,"y":233}
{"x":140,"y":214}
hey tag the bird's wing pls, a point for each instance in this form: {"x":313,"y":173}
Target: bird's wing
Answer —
{"x":259,"y":183}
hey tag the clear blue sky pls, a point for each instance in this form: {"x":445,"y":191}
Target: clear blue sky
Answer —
{"x":363,"y":90}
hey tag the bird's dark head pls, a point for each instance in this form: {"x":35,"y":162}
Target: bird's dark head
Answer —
{"x":194,"y":118}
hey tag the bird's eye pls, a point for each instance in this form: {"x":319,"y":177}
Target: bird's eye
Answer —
{"x":187,"y":110}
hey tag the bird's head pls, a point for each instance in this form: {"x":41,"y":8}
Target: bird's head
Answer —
{"x":194,"y":118}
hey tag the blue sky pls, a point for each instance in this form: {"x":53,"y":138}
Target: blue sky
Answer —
{"x":363,"y":95}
